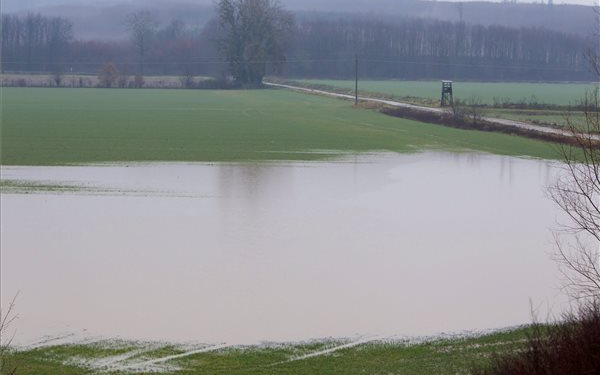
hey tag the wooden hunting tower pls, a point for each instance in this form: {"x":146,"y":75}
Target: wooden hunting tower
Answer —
{"x":447,"y":97}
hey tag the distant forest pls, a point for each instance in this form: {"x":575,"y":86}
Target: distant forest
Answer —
{"x":323,"y":46}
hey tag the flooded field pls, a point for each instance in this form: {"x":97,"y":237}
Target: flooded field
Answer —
{"x":242,"y":253}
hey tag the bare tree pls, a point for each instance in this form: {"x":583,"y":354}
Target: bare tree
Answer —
{"x":108,"y":75}
{"x":142,"y":25}
{"x":252,"y":32}
{"x":59,"y":32}
{"x":138,"y":81}
{"x":470,"y":110}
{"x":6,"y":319}
{"x":57,"y":77}
{"x":577,"y":193}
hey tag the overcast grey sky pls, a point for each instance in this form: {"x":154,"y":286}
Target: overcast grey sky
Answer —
{"x":29,"y":4}
{"x":26,"y":5}
{"x":580,"y":2}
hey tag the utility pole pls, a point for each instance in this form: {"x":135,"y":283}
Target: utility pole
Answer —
{"x":356,"y":80}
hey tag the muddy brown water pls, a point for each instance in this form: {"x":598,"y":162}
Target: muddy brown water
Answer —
{"x":242,"y":253}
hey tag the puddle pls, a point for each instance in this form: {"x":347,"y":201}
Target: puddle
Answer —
{"x":243,"y":253}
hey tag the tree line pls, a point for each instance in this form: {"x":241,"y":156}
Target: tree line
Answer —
{"x":252,"y":38}
{"x":418,"y":48}
{"x":35,"y":42}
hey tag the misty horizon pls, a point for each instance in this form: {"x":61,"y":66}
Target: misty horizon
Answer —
{"x":27,"y":5}
{"x":105,"y":19}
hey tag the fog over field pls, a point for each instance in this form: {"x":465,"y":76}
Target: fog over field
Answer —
{"x":103,"y":19}
{"x":472,"y":40}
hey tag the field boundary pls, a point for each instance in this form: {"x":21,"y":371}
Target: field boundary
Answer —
{"x":442,"y":116}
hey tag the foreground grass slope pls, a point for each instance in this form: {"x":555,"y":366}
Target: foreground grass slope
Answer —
{"x":70,"y":126}
{"x":438,"y":356}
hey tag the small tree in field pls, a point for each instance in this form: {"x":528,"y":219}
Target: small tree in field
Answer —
{"x":57,"y":76}
{"x":108,"y":75}
{"x":122,"y":82}
{"x":138,"y":81}
{"x":471,"y":110}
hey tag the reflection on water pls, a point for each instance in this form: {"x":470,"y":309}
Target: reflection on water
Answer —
{"x":386,"y":244}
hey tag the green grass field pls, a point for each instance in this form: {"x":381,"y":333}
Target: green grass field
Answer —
{"x":540,"y":117}
{"x":547,"y":93}
{"x":436,"y":356}
{"x":72,"y":126}
{"x":425,"y":93}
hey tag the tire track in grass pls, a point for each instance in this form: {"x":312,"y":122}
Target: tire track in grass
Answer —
{"x":112,"y":363}
{"x":328,"y":351}
{"x":155,"y":364}
{"x":62,"y":339}
{"x":49,"y":341}
{"x":114,"y":360}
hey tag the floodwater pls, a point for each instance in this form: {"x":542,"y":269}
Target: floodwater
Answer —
{"x":243,"y":253}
